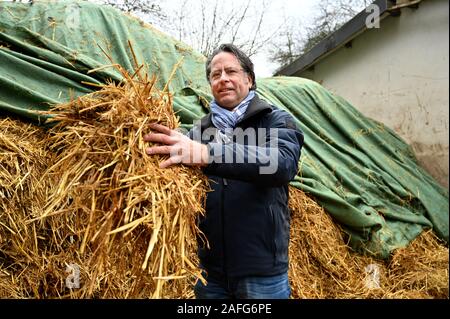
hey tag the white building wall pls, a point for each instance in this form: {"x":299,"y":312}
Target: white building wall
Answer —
{"x":399,"y":75}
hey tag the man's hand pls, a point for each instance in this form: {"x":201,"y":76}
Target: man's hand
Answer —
{"x":180,"y":147}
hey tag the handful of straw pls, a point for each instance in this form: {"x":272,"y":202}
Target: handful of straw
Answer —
{"x":130,"y":217}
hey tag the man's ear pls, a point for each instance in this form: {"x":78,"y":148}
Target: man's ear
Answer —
{"x":249,"y":80}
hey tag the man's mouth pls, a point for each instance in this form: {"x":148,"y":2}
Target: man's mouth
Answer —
{"x":225,"y":90}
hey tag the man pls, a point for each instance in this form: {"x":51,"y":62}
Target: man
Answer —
{"x":249,"y":150}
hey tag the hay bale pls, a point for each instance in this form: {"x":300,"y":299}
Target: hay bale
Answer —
{"x":320,"y":264}
{"x":23,"y":158}
{"x":128,"y":226}
{"x":323,"y":266}
{"x":422,"y":268}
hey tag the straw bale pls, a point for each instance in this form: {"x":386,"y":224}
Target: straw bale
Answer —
{"x":98,"y":202}
{"x":323,"y":266}
{"x":22,"y":160}
{"x":422,"y":267}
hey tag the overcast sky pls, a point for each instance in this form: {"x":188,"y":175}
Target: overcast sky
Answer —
{"x":297,"y":10}
{"x":278,"y":11}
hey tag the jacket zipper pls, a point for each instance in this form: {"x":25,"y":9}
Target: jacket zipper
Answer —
{"x":222,"y":210}
{"x":274,"y":233}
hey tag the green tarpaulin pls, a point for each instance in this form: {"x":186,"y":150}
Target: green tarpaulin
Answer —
{"x":360,"y":171}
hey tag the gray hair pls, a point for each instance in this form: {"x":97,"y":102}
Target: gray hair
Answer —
{"x":244,"y":61}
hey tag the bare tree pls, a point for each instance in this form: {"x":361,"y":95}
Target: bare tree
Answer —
{"x":287,"y":45}
{"x":297,"y":40}
{"x":205,"y":24}
{"x":148,"y":10}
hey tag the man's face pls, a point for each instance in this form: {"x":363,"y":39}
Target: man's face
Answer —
{"x":229,"y":83}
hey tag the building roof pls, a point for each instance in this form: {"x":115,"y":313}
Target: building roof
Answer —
{"x":337,"y":39}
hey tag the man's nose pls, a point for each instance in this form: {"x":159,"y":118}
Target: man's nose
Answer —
{"x":224,"y":75}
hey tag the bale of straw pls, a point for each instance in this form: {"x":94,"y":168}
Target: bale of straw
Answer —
{"x":421,"y":268}
{"x":319,"y":258}
{"x":23,"y":158}
{"x":127,"y":227}
{"x":323,"y":266}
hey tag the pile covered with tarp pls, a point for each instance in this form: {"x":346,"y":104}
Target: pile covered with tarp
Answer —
{"x":377,"y":197}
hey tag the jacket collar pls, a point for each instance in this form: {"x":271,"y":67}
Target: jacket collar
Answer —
{"x":255,"y":107}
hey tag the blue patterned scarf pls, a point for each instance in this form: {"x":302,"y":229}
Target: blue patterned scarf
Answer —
{"x":224,"y":119}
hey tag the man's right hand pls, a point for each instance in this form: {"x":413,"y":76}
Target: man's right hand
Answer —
{"x":182,"y":149}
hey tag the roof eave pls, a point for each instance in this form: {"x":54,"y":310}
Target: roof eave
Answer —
{"x":336,"y":40}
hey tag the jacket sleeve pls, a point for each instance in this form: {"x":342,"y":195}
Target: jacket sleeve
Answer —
{"x":274,"y":163}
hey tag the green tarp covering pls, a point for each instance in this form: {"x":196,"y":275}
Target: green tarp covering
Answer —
{"x":360,"y":171}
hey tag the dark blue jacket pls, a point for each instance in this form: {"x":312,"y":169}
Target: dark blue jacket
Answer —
{"x":247,"y":218}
